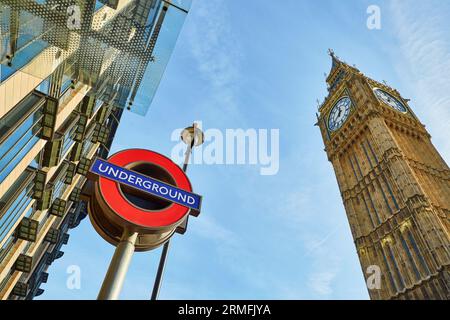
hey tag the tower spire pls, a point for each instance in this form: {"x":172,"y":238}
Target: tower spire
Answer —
{"x":334,"y":58}
{"x":333,"y":55}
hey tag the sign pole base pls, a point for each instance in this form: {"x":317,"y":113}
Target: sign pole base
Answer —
{"x":115,"y":276}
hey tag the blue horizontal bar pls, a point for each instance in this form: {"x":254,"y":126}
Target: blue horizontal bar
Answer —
{"x":146,"y":184}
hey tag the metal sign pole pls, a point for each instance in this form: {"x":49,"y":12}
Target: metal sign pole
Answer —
{"x":115,"y":276}
{"x":191,"y":141}
{"x":159,"y":273}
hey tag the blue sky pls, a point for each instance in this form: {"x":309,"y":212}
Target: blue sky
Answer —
{"x":260,"y":64}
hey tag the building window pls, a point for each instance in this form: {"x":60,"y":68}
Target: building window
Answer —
{"x":98,"y":5}
{"x":389,"y":272}
{"x":68,"y":81}
{"x":418,"y":254}
{"x":97,"y":105}
{"x":372,"y":151}
{"x":367,"y":210}
{"x":391,"y":256}
{"x":36,"y":163}
{"x":353,"y":169}
{"x":69,"y":131}
{"x":390,"y":191}
{"x":367,"y":155}
{"x":15,"y":201}
{"x":19,"y":133}
{"x":44,"y":86}
{"x":385,"y":197}
{"x":28,"y":42}
{"x":30,"y":49}
{"x":59,"y":185}
{"x":58,"y":190}
{"x":87,"y":144}
{"x":358,"y":166}
{"x":374,"y":209}
{"x":410,"y":258}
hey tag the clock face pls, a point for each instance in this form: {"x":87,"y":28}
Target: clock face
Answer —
{"x":390,"y":100}
{"x":339,"y":114}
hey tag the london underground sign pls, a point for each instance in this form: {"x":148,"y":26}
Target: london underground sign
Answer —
{"x":146,"y":184}
{"x":137,"y":200}
{"x":141,"y":191}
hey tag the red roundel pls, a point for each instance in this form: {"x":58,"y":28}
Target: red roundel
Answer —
{"x":121,"y":206}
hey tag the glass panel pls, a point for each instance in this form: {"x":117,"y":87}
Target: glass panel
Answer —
{"x":183,"y":4}
{"x":397,"y":270}
{"x":35,"y":164}
{"x":410,"y":257}
{"x":98,"y":104}
{"x":120,"y":53}
{"x":17,"y":144}
{"x":174,"y":20}
{"x":44,"y":86}
{"x":67,"y":81}
{"x":59,"y":189}
{"x":389,"y":272}
{"x":98,"y":5}
{"x":15,"y":116}
{"x":418,"y":254}
{"x":28,"y":144}
{"x":87,"y":145}
{"x":59,"y":186}
{"x":10,"y":215}
{"x":67,"y":78}
{"x":27,"y":43}
{"x":4,"y":249}
{"x":5,"y":72}
{"x":69,"y":141}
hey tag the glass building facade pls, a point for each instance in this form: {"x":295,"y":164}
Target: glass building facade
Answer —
{"x":66,"y":77}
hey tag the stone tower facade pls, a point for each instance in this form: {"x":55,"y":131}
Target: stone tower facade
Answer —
{"x":394,"y":184}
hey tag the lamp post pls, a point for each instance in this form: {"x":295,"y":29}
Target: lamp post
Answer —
{"x":192,"y":137}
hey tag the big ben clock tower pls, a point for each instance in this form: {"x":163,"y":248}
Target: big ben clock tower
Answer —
{"x":394,"y":184}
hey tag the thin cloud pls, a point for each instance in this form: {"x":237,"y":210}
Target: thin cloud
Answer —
{"x":421,"y":31}
{"x":211,"y":38}
{"x":315,"y":245}
{"x":217,"y":53}
{"x":209,"y":228}
{"x":321,"y":283}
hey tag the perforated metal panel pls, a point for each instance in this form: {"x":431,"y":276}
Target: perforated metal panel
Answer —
{"x":120,"y":54}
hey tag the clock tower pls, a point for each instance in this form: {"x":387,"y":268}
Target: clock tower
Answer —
{"x":394,"y":184}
